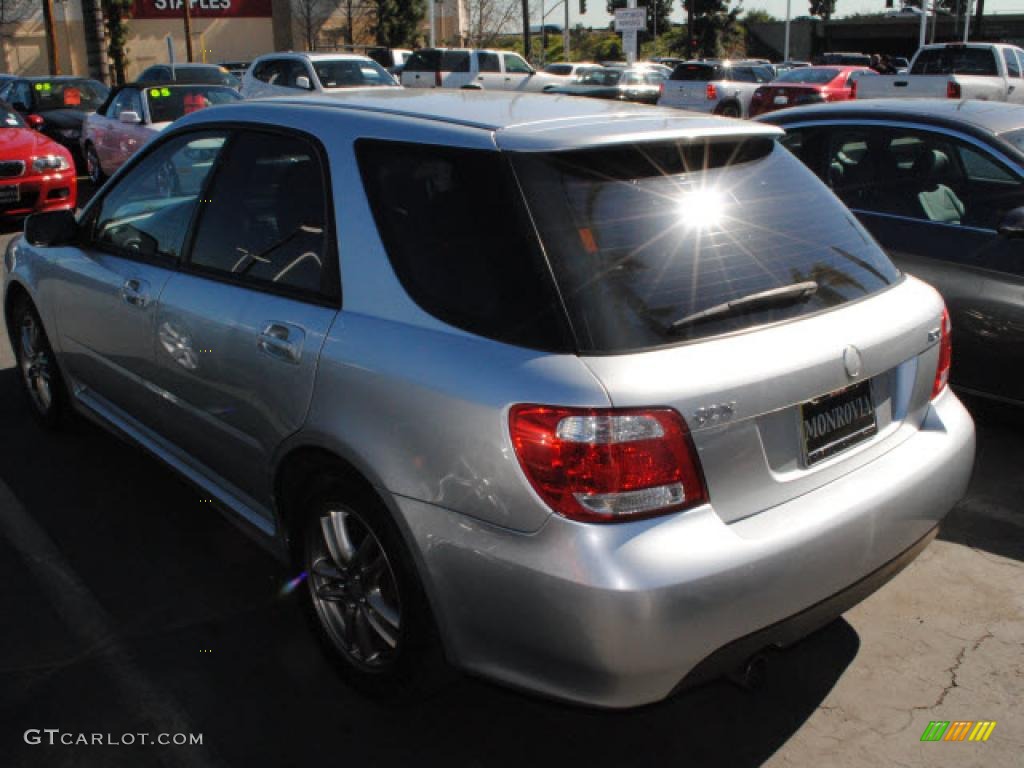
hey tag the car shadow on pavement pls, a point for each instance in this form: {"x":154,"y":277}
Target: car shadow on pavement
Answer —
{"x":196,"y":611}
{"x":991,"y":516}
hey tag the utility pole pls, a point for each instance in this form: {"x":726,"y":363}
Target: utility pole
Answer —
{"x":433,"y":38}
{"x":526,"y":29}
{"x":188,"y":29}
{"x":51,"y":37}
{"x":689,"y":28}
{"x":785,"y":45}
{"x":565,"y":32}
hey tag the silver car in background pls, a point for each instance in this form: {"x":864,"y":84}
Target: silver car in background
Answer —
{"x":590,"y":399}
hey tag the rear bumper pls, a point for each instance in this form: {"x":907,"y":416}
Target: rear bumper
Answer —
{"x":619,"y":615}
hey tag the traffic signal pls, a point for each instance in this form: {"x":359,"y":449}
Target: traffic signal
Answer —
{"x":583,"y":7}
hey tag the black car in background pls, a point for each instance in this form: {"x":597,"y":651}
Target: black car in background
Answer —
{"x":639,"y":84}
{"x":940,"y":185}
{"x":56,"y":106}
{"x":207,"y":74}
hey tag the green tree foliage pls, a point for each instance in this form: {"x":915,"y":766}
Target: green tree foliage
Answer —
{"x":115,"y":17}
{"x":658,"y":12}
{"x":758,"y":17}
{"x":715,"y":26}
{"x":396,"y":21}
{"x":823,"y":8}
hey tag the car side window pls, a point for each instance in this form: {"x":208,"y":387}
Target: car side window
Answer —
{"x":1012,"y":65}
{"x":21,"y":94}
{"x":489,"y":62}
{"x":118,"y":105}
{"x":146,"y":214}
{"x":132,"y":102}
{"x":920,"y":175}
{"x":743,"y":75}
{"x":264,"y":70}
{"x":514,"y":64}
{"x":265,"y":222}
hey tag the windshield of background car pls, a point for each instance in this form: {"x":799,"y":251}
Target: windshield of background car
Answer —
{"x":436,"y":60}
{"x":644,"y":235}
{"x":955,"y":61}
{"x":351,"y":73}
{"x":168,"y":103}
{"x":10,"y":119}
{"x":810,"y":75}
{"x":79,"y":95}
{"x":558,"y":69}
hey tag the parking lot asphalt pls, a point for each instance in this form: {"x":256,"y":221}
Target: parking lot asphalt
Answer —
{"x":130,"y":606}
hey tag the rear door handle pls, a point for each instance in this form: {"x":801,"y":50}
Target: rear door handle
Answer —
{"x":135,"y":292}
{"x":282,"y":342}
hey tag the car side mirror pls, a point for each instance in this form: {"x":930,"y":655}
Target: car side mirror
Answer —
{"x":129,"y":117}
{"x":303,"y":82}
{"x":35,"y":121}
{"x":1012,"y":224}
{"x":51,"y":228}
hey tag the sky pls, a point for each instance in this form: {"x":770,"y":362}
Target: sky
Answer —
{"x":597,"y":16}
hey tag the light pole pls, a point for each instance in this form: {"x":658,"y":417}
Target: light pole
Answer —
{"x":785,"y":46}
{"x":432,"y":38}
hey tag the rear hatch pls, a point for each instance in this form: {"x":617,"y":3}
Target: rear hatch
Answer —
{"x":721,"y":278}
{"x":691,"y":84}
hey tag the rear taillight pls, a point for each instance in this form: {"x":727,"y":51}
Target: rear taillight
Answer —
{"x":661,"y":89}
{"x":945,"y":356}
{"x":437,"y":78}
{"x":952,"y":90}
{"x":608,"y":464}
{"x":711,"y":92}
{"x":759,"y":94}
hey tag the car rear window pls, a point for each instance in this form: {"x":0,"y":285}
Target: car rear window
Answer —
{"x":955,"y":61}
{"x":435,"y":60}
{"x":643,"y":236}
{"x":812,"y":75}
{"x":458,"y":237}
{"x":558,"y":69}
{"x":701,"y":73}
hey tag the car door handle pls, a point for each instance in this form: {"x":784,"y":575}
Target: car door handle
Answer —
{"x":282,"y":342}
{"x":135,"y":292}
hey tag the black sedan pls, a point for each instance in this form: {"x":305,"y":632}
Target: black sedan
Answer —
{"x":940,"y":185}
{"x":56,"y":106}
{"x":642,"y":85}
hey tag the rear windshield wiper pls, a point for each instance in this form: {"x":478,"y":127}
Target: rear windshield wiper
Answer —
{"x":772,"y":297}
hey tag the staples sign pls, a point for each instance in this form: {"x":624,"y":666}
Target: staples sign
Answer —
{"x":200,"y":9}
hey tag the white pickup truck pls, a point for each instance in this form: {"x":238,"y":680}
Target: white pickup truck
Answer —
{"x":986,"y":71}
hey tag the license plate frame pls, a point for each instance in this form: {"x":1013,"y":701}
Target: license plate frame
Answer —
{"x":781,"y":100}
{"x":836,"y":422}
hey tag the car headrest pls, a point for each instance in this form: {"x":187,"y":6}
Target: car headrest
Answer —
{"x":931,"y":163}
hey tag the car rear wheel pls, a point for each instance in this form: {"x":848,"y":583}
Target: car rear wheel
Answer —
{"x":366,"y":598}
{"x":92,"y":164}
{"x":729,"y":110}
{"x":40,"y":375}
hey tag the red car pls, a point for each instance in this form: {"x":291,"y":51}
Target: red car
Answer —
{"x":36,"y":173}
{"x":808,"y":85}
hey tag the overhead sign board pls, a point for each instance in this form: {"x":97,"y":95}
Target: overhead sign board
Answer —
{"x":630,"y":19}
{"x":201,"y":9}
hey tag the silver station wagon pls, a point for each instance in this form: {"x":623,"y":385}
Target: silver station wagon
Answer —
{"x":590,"y":399}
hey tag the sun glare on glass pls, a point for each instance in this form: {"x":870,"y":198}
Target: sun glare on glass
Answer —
{"x":702,"y":208}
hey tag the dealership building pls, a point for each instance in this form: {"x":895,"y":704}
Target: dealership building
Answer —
{"x":222,"y":30}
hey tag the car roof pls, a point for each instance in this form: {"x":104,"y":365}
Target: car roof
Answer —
{"x":56,"y":78}
{"x":187,"y":65}
{"x":310,"y":56}
{"x":520,"y":121}
{"x":987,"y":116}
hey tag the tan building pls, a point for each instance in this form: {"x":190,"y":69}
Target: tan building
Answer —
{"x":222,"y":30}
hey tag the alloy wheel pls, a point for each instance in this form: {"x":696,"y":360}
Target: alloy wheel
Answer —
{"x":36,"y":364}
{"x":354,"y":589}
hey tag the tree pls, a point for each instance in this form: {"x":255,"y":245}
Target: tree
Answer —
{"x":115,"y":18}
{"x":658,"y":12}
{"x":758,"y":17}
{"x":823,"y":8}
{"x":395,"y":22}
{"x":355,"y":14}
{"x":14,"y":11}
{"x":488,"y":19}
{"x":312,"y":15}
{"x":714,"y":23}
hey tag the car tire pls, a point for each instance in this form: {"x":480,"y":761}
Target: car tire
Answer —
{"x":365,"y":597}
{"x":92,"y":165}
{"x":40,"y":375}
{"x":729,"y":110}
